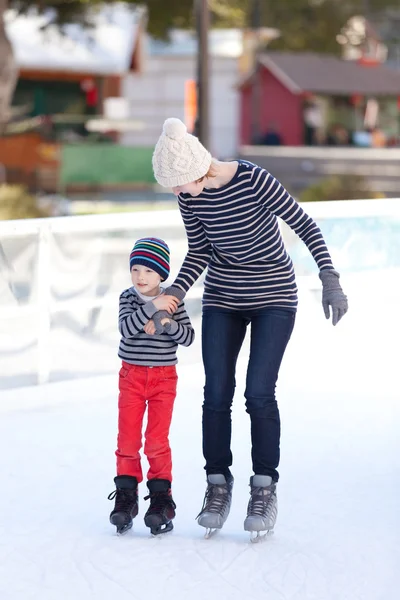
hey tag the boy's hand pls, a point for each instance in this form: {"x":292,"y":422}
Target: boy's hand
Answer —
{"x":163,"y":322}
{"x":150,"y":328}
{"x":158,"y":317}
{"x":169,"y":303}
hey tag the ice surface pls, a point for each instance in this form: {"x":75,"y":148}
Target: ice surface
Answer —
{"x":337,"y":536}
{"x":338,"y":529}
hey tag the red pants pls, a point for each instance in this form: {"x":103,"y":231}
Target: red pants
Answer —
{"x":155,"y":386}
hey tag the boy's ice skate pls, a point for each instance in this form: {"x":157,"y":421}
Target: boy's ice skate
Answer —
{"x":126,"y":502}
{"x":162,"y":507}
{"x":262,"y":509}
{"x":216,"y":504}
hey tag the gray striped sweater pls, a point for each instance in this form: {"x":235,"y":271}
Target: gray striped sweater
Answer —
{"x":137,"y":347}
{"x":234,"y":231}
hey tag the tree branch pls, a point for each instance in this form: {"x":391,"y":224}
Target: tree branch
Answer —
{"x":8,"y":70}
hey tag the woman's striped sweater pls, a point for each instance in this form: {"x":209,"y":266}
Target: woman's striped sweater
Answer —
{"x":234,"y":231}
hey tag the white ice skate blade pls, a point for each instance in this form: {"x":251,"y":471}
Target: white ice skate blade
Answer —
{"x":259,"y":536}
{"x":210,"y":532}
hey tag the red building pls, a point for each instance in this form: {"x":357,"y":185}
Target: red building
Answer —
{"x":283,"y":83}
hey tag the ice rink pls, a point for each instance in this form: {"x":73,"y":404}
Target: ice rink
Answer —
{"x":338,"y":530}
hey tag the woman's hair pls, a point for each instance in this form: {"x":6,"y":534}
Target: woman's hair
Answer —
{"x":212,"y":172}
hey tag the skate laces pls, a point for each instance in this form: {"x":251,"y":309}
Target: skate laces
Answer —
{"x":216,"y":499}
{"x":159,"y":501}
{"x":124,"y":499}
{"x":261,"y":501}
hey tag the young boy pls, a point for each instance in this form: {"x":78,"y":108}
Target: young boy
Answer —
{"x":147,"y":376}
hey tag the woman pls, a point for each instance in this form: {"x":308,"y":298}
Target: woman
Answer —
{"x":230,"y":212}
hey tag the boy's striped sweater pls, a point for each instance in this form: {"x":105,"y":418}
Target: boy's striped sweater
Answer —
{"x":139,"y":348}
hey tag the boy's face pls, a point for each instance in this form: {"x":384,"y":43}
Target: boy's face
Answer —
{"x":145,"y":280}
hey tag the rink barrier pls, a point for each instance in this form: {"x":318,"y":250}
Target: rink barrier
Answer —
{"x":45,"y":305}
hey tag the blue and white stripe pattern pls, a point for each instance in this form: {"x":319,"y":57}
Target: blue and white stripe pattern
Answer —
{"x":234,"y":231}
{"x":139,"y":348}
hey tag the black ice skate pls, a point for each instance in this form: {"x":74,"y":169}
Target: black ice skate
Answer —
{"x":216,"y":504}
{"x":162,"y":507}
{"x":126,"y":502}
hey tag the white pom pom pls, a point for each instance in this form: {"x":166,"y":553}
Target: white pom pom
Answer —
{"x":174,"y":128}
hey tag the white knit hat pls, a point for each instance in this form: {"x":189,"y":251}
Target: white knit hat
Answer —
{"x":179,"y":157}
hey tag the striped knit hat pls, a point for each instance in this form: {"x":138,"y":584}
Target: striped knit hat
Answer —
{"x":152,"y":253}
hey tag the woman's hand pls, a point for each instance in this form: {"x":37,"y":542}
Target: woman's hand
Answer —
{"x":164,"y":302}
{"x":332,"y":295}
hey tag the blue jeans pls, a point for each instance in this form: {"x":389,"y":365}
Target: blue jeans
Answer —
{"x":223,"y":332}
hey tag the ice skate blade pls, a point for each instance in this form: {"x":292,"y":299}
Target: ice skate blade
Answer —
{"x":210,"y":532}
{"x":259,"y":536}
{"x":160,"y":529}
{"x":124,"y":529}
{"x":120,"y":524}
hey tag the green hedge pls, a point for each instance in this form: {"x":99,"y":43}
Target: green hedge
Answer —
{"x":104,"y":164}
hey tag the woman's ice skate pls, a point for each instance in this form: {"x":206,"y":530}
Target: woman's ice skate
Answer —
{"x":216,"y":504}
{"x":262,"y":509}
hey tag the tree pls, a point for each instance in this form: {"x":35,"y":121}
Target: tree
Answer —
{"x":304,"y":24}
{"x":315,"y":24}
{"x":8,"y":70}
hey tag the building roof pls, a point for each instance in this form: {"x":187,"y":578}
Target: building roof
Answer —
{"x":104,"y":48}
{"x":324,"y":74}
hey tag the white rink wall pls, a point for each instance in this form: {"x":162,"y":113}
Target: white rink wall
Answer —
{"x":60,"y":281}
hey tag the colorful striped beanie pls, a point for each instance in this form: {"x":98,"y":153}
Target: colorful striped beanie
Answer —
{"x":152,"y":253}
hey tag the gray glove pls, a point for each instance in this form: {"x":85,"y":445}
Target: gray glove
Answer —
{"x":173,"y":290}
{"x":332,"y":295}
{"x":160,"y":314}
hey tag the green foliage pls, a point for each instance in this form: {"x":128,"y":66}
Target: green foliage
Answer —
{"x":304,"y":24}
{"x":312,"y":27}
{"x":66,"y":11}
{"x":16,"y":203}
{"x":339,"y":187}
